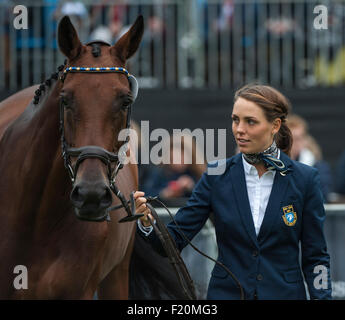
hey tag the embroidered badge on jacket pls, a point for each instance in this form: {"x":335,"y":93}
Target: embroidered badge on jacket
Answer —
{"x":289,"y":216}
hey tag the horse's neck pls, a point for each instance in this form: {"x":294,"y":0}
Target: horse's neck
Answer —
{"x":12,"y":107}
{"x":31,"y":156}
{"x":36,"y":131}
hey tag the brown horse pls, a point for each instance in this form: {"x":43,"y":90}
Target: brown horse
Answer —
{"x":66,"y":257}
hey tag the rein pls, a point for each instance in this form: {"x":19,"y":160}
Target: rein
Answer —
{"x":173,"y":254}
{"x":175,"y":257}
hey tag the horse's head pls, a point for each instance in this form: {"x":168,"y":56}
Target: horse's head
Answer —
{"x":94,"y":107}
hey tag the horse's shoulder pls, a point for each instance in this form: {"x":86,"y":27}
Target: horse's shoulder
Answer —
{"x":12,"y":107}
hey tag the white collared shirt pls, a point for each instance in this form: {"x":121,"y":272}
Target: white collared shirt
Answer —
{"x":259,"y":191}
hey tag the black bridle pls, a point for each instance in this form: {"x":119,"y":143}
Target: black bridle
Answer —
{"x":107,"y":157}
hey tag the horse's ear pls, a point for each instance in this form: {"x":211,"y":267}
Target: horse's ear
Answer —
{"x":128,"y":44}
{"x":68,"y":39}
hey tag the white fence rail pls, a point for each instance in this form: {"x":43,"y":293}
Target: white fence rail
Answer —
{"x":188,"y":43}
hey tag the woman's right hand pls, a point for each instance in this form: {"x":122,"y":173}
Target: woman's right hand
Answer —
{"x":141,"y":207}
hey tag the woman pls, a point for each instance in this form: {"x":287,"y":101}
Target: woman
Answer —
{"x":264,"y":204}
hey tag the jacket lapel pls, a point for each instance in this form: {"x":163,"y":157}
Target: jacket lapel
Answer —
{"x":238,"y":181}
{"x":278,"y":192}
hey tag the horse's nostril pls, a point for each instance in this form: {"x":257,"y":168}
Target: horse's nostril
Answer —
{"x":76,"y":197}
{"x":107,"y":198}
{"x":96,"y":196}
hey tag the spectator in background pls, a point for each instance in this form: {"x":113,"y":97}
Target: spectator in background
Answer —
{"x":306,"y":150}
{"x":78,"y":13}
{"x":177,"y":180}
{"x":224,"y":21}
{"x":108,"y":22}
{"x":145,"y":171}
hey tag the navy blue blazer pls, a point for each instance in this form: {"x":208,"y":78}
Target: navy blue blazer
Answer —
{"x":266,"y":265}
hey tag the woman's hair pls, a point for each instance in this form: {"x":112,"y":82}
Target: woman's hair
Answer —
{"x":275,"y":105}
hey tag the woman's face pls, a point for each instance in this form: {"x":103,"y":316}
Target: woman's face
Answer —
{"x":252,"y":132}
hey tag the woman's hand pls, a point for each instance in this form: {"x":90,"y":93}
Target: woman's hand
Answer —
{"x":140,"y":205}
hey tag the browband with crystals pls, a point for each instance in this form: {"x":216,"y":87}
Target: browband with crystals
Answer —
{"x":132,"y":80}
{"x":96,"y":69}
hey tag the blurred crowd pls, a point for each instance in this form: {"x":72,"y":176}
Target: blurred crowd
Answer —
{"x":174,"y":182}
{"x":99,"y":20}
{"x":307,"y":150}
{"x":201,"y":24}
{"x":107,"y":22}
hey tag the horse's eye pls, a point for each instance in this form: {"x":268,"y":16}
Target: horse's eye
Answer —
{"x":126,"y":103}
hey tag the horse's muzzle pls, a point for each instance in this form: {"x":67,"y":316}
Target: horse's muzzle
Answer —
{"x":91,"y":201}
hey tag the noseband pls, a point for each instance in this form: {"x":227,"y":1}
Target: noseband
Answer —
{"x":107,"y":157}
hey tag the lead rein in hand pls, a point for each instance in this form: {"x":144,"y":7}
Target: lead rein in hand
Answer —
{"x":173,"y":253}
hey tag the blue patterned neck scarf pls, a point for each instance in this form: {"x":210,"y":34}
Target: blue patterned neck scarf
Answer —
{"x":269,"y":158}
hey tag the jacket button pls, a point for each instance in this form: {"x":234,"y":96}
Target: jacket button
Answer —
{"x":255,"y":253}
{"x":259,"y":277}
